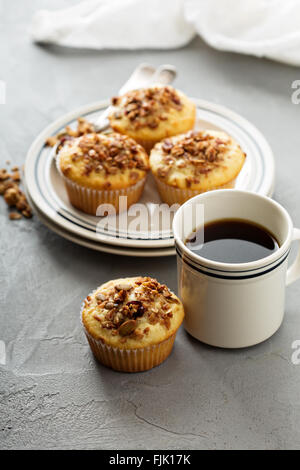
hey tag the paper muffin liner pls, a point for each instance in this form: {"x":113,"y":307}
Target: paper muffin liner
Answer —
{"x":172,"y":195}
{"x":88,"y":200}
{"x":129,"y":360}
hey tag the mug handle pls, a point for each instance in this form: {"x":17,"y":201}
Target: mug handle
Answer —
{"x":293,"y":273}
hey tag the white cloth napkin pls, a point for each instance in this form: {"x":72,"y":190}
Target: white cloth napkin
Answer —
{"x":269,"y":28}
{"x":115,"y":24}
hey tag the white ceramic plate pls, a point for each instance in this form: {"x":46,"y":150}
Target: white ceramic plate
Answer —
{"x":97,"y":245}
{"x":47,"y":190}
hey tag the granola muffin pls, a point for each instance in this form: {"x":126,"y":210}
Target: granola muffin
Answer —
{"x":151,"y":114}
{"x":131,"y":323}
{"x":192,"y":163}
{"x":99,"y":168}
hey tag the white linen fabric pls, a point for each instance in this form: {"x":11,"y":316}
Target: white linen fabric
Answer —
{"x":265,"y":28}
{"x":115,"y":24}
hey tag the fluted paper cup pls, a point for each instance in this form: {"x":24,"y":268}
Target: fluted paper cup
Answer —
{"x":172,"y":195}
{"x":88,"y":200}
{"x":129,"y":360}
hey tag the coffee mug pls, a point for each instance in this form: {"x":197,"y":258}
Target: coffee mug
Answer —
{"x":241,"y":304}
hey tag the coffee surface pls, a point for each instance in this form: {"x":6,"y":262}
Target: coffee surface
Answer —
{"x":232,"y":241}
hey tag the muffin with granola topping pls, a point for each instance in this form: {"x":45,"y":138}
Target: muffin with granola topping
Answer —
{"x":99,"y":168}
{"x":149,"y":115}
{"x":131,"y":323}
{"x":195,"y":162}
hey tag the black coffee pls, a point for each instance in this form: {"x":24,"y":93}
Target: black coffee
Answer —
{"x":232,"y":241}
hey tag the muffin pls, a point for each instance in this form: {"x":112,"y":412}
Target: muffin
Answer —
{"x":151,"y":114}
{"x":192,"y":163}
{"x":99,"y":168}
{"x":131,"y":323}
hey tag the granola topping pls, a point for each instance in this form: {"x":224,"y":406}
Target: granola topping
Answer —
{"x":124,"y":308}
{"x":197,"y":150}
{"x":108,"y":153}
{"x":146,"y":107}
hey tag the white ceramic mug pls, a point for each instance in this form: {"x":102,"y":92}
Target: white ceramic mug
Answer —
{"x":234,"y":305}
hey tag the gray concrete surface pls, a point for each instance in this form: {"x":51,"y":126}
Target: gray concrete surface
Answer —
{"x":52,"y":392}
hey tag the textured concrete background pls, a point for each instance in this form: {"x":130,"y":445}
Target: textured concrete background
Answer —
{"x":52,"y":392}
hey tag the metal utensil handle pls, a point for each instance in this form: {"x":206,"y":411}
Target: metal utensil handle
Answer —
{"x":139,"y":77}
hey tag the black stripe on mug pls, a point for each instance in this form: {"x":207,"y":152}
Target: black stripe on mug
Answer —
{"x":224,"y":276}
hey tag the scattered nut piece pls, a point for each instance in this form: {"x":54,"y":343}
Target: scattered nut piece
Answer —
{"x":13,"y":195}
{"x":51,"y":141}
{"x":97,"y":317}
{"x":100,"y":296}
{"x":4,"y":175}
{"x":15,"y":216}
{"x":127,"y":327}
{"x":123,"y":286}
{"x":109,"y":305}
{"x":16,"y":176}
{"x":83,"y":127}
{"x":22,"y":204}
{"x":27,"y":213}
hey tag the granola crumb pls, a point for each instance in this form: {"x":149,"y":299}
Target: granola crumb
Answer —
{"x":12,"y":193}
{"x":27,"y":213}
{"x":11,"y":196}
{"x":51,"y":141}
{"x":15,"y":216}
{"x":83,"y":127}
{"x":16,"y":176}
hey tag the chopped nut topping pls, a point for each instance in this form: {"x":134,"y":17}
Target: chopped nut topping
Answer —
{"x":146,"y":107}
{"x":109,"y":305}
{"x":109,"y":153}
{"x":123,"y":287}
{"x":100,"y":297}
{"x":122,"y":306}
{"x":197,"y":150}
{"x":127,"y":327}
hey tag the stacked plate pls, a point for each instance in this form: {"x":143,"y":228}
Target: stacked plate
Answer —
{"x":150,"y":235}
